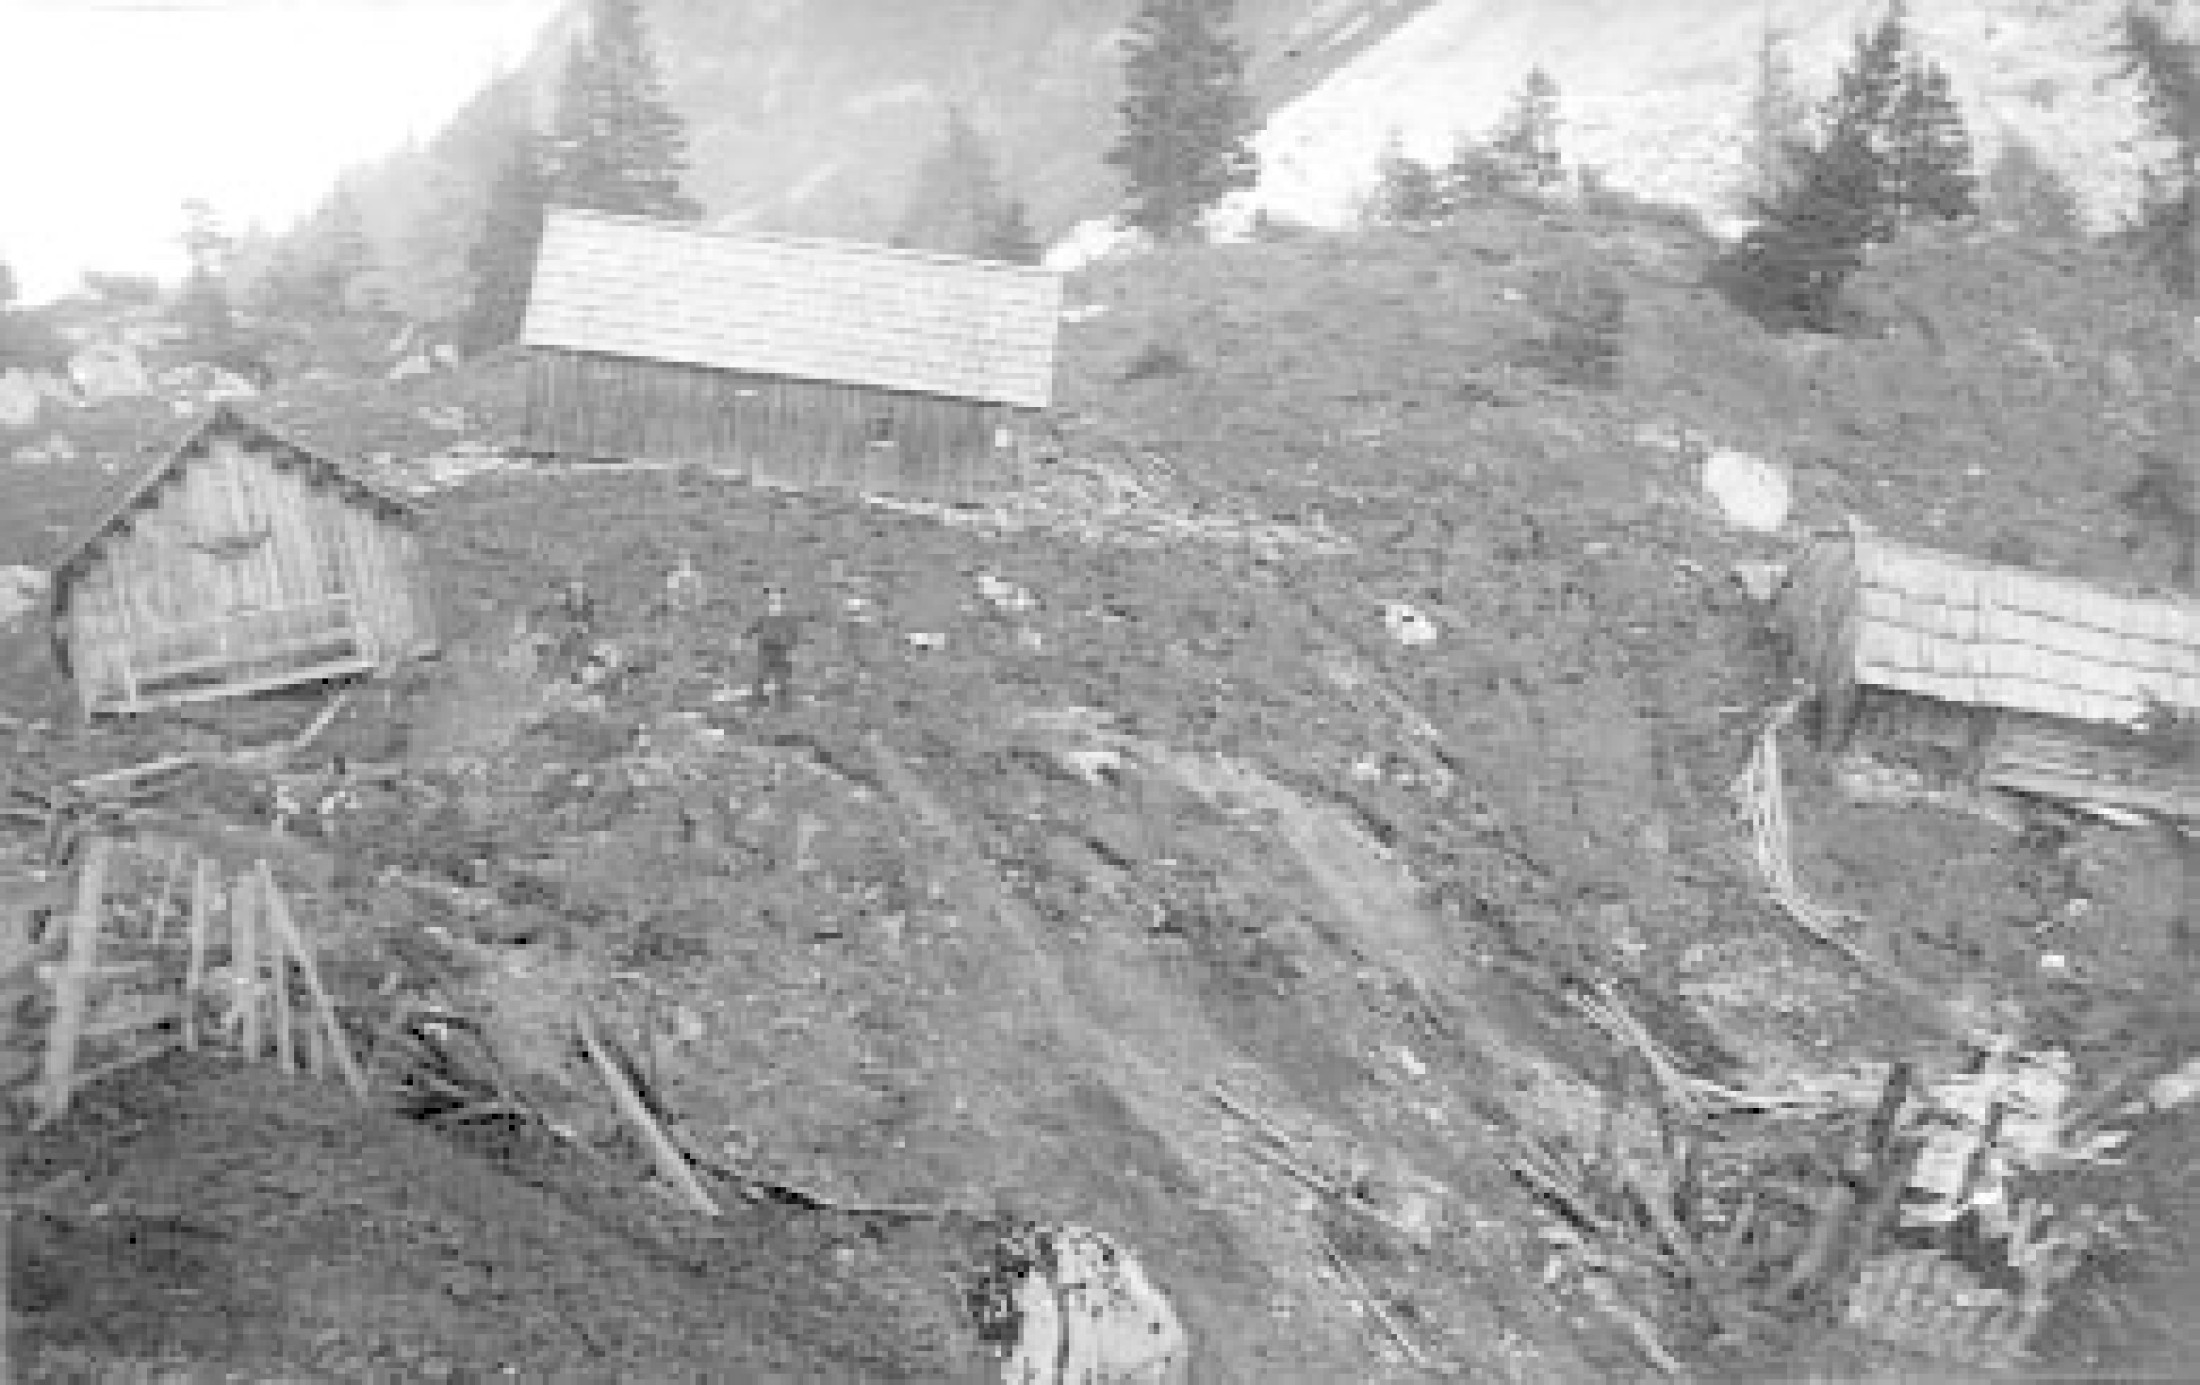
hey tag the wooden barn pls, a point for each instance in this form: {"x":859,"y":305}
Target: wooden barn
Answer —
{"x":2012,"y":679}
{"x":240,"y":562}
{"x":802,"y":363}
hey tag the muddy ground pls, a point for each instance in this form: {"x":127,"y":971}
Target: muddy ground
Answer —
{"x":985,"y":923}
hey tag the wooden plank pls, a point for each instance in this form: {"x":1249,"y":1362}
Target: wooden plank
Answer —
{"x":171,"y":874}
{"x":72,"y":985}
{"x":311,"y":673}
{"x":672,"y":1166}
{"x":194,"y":976}
{"x":244,"y":957}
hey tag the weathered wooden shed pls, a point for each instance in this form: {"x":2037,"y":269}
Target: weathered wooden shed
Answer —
{"x":804,"y":363}
{"x":241,"y":561}
{"x":2025,"y":681}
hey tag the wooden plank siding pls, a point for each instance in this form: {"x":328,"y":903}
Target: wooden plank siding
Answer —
{"x":242,"y":569}
{"x":805,"y":434}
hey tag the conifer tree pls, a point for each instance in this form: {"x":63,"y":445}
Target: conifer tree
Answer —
{"x":2025,"y":194}
{"x":1010,"y":236}
{"x":1791,"y":268}
{"x":955,"y":202}
{"x":2167,"y":70}
{"x":1407,"y":191}
{"x":1928,"y":150}
{"x":502,"y":261}
{"x":617,"y":145}
{"x":1527,"y":138}
{"x":1187,"y":117}
{"x":1476,"y":175}
{"x":203,"y":308}
{"x":1860,"y":118}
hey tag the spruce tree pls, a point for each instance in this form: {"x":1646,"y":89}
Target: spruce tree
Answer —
{"x":1476,"y":176}
{"x":1527,"y":138}
{"x":1860,"y":119}
{"x":2026,"y":195}
{"x":2167,"y":70}
{"x":502,"y":261}
{"x":1928,"y":154}
{"x":617,"y":145}
{"x":1010,"y":236}
{"x":1407,"y":191}
{"x":955,"y":202}
{"x":1790,"y":270}
{"x":203,"y":308}
{"x":1187,"y":117}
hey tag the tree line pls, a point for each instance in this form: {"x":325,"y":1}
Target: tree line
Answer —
{"x":1886,"y":150}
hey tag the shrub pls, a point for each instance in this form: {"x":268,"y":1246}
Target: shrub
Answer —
{"x":1157,"y":361}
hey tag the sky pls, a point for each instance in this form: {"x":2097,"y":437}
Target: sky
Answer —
{"x":113,"y":112}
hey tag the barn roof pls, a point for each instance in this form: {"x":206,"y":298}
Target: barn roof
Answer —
{"x":813,"y":309}
{"x":223,"y":419}
{"x":1984,"y":634}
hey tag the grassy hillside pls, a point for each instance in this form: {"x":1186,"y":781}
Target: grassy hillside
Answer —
{"x":1347,"y":878}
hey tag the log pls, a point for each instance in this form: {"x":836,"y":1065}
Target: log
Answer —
{"x":1357,"y":1287}
{"x":671,"y":1164}
{"x":244,"y":952}
{"x":72,"y":985}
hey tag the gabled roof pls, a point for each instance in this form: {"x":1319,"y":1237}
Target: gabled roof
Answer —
{"x":812,"y":309}
{"x":1985,"y":634}
{"x":223,"y":419}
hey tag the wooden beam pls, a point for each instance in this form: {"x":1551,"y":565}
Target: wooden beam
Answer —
{"x":72,"y":986}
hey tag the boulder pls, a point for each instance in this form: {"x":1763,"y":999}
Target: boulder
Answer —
{"x":1407,"y":625}
{"x":1087,"y":1315}
{"x":110,"y":372}
{"x":1751,"y":492}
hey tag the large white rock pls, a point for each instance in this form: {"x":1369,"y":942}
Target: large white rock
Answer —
{"x":109,"y":372}
{"x":1751,"y":492}
{"x":1089,"y":1316}
{"x":19,"y":400}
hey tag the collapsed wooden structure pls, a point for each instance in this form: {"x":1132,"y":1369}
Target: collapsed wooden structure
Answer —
{"x":239,"y":562}
{"x":2008,"y":678}
{"x":803,"y":363}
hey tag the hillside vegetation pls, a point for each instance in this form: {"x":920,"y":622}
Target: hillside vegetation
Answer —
{"x":1350,"y":880}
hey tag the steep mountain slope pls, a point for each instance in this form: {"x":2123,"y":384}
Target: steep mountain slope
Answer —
{"x":813,"y":116}
{"x":1656,"y":94}
{"x":924,"y":959}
